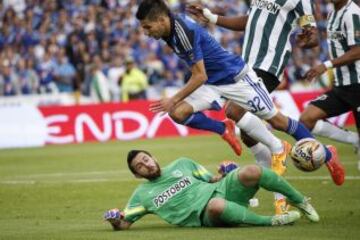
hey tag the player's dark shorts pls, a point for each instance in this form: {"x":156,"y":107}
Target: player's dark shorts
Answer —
{"x":270,"y":81}
{"x":340,"y":100}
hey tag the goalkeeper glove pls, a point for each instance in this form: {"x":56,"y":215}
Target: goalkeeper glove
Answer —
{"x":113,"y":215}
{"x":226,"y":167}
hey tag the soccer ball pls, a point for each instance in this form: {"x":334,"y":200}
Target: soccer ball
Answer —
{"x":308,"y":154}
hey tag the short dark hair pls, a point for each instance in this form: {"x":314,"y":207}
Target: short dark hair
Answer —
{"x":131,"y":156}
{"x":151,"y":9}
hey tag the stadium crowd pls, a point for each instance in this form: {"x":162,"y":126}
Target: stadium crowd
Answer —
{"x":96,"y":47}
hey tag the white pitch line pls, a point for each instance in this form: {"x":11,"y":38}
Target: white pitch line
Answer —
{"x":319,"y":178}
{"x":63,"y":174}
{"x":98,"y":180}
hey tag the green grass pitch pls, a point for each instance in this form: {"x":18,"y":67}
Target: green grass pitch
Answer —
{"x":61,"y":192}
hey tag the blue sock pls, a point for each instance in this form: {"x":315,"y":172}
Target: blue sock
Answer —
{"x":299,"y":131}
{"x":199,"y":120}
{"x":328,"y":154}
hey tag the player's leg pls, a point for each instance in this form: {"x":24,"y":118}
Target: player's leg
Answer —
{"x":250,"y":94}
{"x":184,"y":114}
{"x":298,"y":131}
{"x":331,"y":131}
{"x":333,"y":103}
{"x":188,"y":112}
{"x":261,"y":153}
{"x":254,"y":176}
{"x":220,"y":212}
{"x":270,"y":181}
{"x":355,"y":106}
{"x":329,"y":104}
{"x":357,"y":120}
{"x":246,"y":121}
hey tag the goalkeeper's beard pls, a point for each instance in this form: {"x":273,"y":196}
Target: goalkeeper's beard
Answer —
{"x":154,"y":173}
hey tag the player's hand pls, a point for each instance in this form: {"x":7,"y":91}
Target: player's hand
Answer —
{"x":113,"y":215}
{"x":315,"y":72}
{"x":196,"y":11}
{"x":302,"y":38}
{"x":226,"y":167}
{"x":163,"y":105}
{"x":307,"y":38}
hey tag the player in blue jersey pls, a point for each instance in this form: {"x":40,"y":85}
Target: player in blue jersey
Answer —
{"x":216,"y":75}
{"x":262,"y":25}
{"x":219,"y":74}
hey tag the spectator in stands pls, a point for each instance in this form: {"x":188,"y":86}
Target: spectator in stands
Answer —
{"x":46,"y":68}
{"x":27,"y":78}
{"x":170,"y":79}
{"x":8,"y":80}
{"x":99,"y":84}
{"x":134,"y":82}
{"x":114,"y":74}
{"x":33,"y":29}
{"x":64,"y":73}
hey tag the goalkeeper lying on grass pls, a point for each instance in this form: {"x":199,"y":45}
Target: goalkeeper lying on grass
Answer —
{"x":184,"y":193}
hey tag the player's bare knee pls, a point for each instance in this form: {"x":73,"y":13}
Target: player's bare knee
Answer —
{"x":234,"y":112}
{"x":279,"y":122}
{"x":249,"y":175}
{"x":215,"y":207}
{"x":308,"y":120}
{"x":179,"y":114}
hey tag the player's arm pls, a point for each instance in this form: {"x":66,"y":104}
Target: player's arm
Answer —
{"x":216,"y":178}
{"x":224,"y":168}
{"x":349,"y":57}
{"x":134,"y":210}
{"x":199,"y":171}
{"x":198,"y":78}
{"x":352,"y":36}
{"x":237,"y":23}
{"x":353,"y":54}
{"x":190,"y":42}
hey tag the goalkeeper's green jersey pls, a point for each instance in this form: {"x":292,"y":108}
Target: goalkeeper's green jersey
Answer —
{"x":178,"y":196}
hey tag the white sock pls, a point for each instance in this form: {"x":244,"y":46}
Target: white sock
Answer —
{"x":326,"y":129}
{"x":262,"y":154}
{"x":256,"y":129}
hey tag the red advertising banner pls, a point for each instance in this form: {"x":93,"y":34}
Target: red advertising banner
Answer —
{"x":29,"y":126}
{"x":133,"y":120}
{"x":103,"y":122}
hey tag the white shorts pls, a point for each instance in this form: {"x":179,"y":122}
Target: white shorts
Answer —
{"x":249,"y":92}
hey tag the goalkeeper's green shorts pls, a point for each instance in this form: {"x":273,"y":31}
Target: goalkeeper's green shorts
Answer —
{"x":231,"y":189}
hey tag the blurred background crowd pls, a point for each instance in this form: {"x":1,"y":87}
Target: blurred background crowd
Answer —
{"x":96,"y":48}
